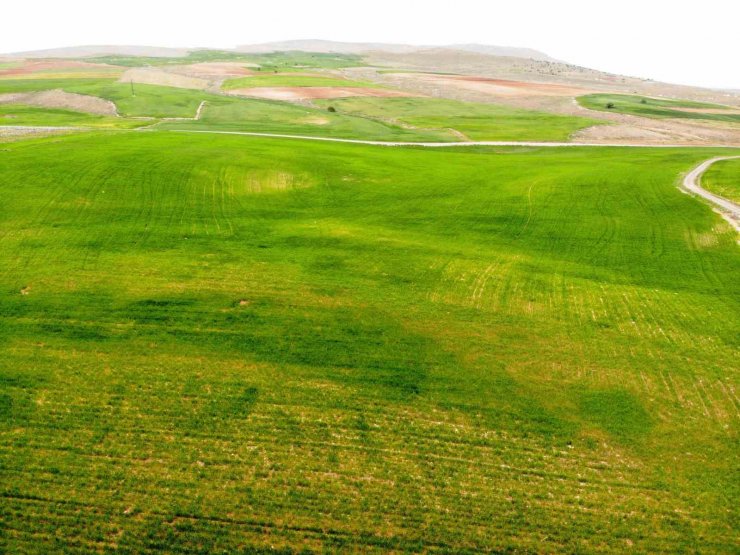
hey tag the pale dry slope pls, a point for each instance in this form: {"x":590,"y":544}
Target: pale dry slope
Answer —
{"x":60,"y":99}
{"x":557,"y":97}
{"x":150,"y":76}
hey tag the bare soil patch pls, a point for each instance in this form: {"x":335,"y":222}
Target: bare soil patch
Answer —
{"x":313,"y":93}
{"x":148,"y":76}
{"x":10,"y":134}
{"x":29,"y":67}
{"x":214,"y":70}
{"x":60,"y":99}
{"x":502,"y":87}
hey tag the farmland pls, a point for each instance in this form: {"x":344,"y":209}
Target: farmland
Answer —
{"x":218,"y":343}
{"x":480,"y":122}
{"x":214,"y":343}
{"x":291,"y":80}
{"x":410,"y":119}
{"x":659,"y":107}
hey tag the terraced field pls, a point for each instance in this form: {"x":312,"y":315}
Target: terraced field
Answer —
{"x":659,"y":107}
{"x":224,"y":344}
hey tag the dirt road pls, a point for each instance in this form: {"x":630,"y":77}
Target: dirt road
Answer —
{"x":446,"y":145}
{"x":692,"y":184}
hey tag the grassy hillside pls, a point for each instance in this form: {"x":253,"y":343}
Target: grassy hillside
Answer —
{"x":387,"y":119}
{"x":479,"y":122}
{"x":723,"y":178}
{"x":218,"y":343}
{"x":658,"y":108}
{"x":413,"y":119}
{"x":147,"y":100}
{"x":265,"y":116}
{"x":18,"y":114}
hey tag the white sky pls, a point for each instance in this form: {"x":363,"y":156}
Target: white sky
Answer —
{"x":679,"y":41}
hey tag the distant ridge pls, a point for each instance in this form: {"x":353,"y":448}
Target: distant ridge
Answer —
{"x":328,"y":46}
{"x":310,"y":45}
{"x":88,"y":51}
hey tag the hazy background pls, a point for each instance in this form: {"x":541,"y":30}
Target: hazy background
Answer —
{"x":693,"y":43}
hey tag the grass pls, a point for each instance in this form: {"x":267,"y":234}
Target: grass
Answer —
{"x":292,"y":80}
{"x":265,"y":116}
{"x":145,"y":100}
{"x":18,"y":114}
{"x":148,"y":100}
{"x":45,"y":84}
{"x":656,"y":108}
{"x":413,"y":119}
{"x":479,"y":122}
{"x":723,"y":178}
{"x":218,"y":343}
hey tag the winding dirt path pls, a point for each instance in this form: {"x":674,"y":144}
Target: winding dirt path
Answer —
{"x":692,"y":185}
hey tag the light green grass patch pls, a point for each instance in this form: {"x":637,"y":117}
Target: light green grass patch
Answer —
{"x":723,"y":178}
{"x":31,"y":85}
{"x":655,"y":108}
{"x":18,"y":114}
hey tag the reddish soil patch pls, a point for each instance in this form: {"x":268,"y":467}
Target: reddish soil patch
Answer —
{"x":49,"y":65}
{"x":496,"y":87}
{"x":315,"y":93}
{"x":529,"y":86}
{"x":60,"y":99}
{"x":215,"y":69}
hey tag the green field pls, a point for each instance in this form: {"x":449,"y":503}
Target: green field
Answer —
{"x":18,"y":114}
{"x":723,"y":178}
{"x":34,"y":84}
{"x":292,"y":80}
{"x":147,"y":100}
{"x":387,"y":119}
{"x":656,"y":108}
{"x":265,"y":116}
{"x":412,"y":119}
{"x":478,"y":122}
{"x":237,"y":344}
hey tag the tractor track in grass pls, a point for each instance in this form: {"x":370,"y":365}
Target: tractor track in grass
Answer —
{"x":692,"y":185}
{"x":727,"y":209}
